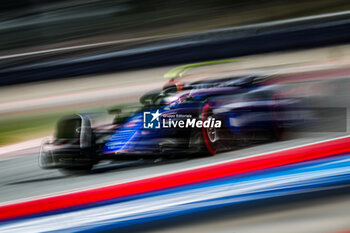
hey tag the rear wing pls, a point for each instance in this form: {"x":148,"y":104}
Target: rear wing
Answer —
{"x":179,"y":71}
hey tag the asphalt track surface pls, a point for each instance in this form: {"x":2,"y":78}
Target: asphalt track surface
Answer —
{"x":22,"y":179}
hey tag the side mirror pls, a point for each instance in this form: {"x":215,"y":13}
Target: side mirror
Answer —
{"x":148,"y":98}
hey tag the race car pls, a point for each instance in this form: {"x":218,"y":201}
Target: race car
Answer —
{"x":187,"y":117}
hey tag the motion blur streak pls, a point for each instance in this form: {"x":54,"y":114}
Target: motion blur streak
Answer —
{"x":263,"y":161}
{"x":292,"y":179}
{"x":333,"y":147}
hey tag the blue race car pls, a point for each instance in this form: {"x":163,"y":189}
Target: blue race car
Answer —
{"x":186,"y":117}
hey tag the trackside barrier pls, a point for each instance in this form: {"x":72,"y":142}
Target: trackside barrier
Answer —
{"x":299,"y":33}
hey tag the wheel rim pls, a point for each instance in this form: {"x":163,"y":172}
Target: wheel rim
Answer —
{"x":212,"y":132}
{"x":206,"y":113}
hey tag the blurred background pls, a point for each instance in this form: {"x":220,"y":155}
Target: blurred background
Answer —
{"x":42,"y":41}
{"x":29,"y":24}
{"x":69,"y":56}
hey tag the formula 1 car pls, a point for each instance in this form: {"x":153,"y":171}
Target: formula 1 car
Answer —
{"x":191,"y":117}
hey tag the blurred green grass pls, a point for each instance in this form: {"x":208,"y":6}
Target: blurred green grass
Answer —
{"x":29,"y":126}
{"x":25,"y":127}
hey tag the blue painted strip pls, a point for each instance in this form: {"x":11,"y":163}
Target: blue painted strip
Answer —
{"x":292,"y":179}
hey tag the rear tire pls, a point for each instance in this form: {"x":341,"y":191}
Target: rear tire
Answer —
{"x":215,"y":140}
